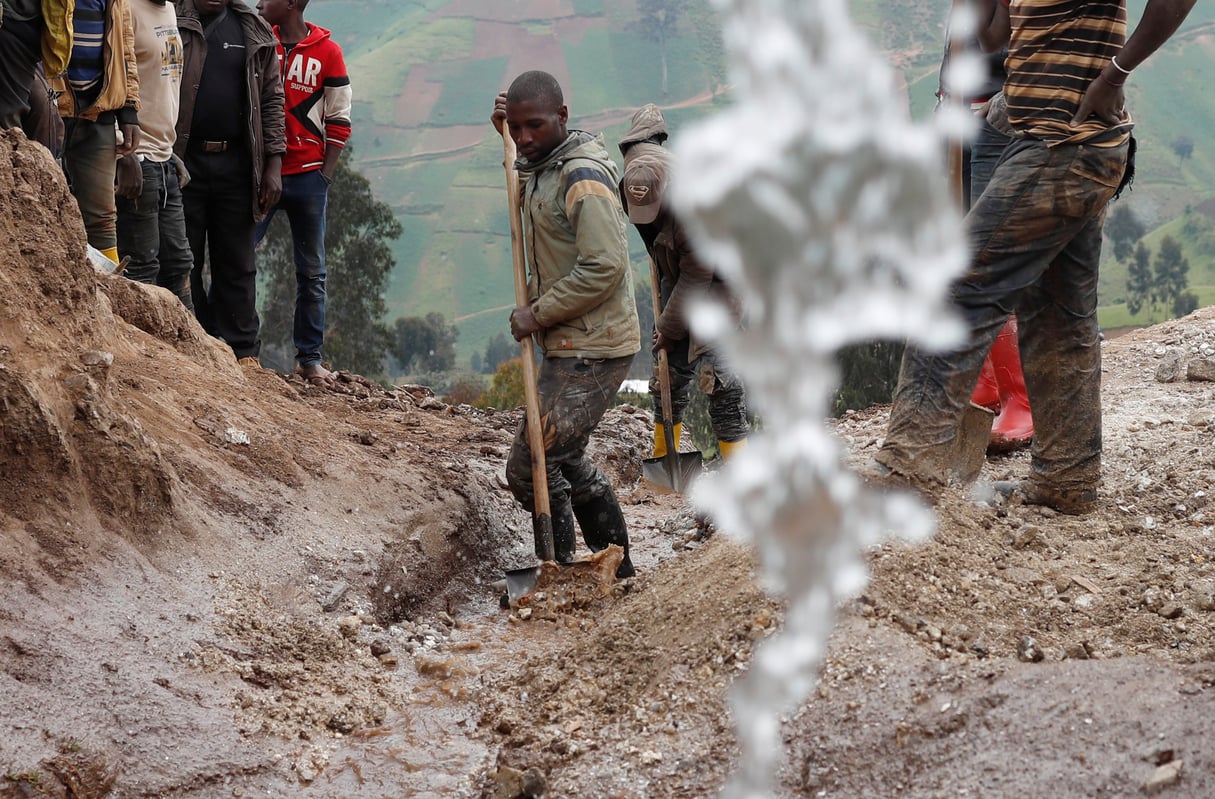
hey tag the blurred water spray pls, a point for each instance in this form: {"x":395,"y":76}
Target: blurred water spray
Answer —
{"x":828,"y":211}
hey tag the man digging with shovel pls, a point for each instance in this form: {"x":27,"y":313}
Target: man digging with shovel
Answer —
{"x":581,"y":310}
{"x":681,"y":280}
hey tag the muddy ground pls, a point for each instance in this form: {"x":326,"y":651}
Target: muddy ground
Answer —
{"x":221,"y":582}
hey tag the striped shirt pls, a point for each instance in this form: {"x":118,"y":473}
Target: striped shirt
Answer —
{"x":88,"y":39}
{"x":1056,"y":50}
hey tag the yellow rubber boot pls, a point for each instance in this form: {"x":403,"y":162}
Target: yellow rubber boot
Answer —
{"x":111,"y":253}
{"x":729,"y":449}
{"x":660,"y":438}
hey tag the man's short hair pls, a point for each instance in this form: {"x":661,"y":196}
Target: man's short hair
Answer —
{"x":536,"y":86}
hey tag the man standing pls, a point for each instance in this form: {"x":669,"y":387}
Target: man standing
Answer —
{"x":101,"y":88}
{"x":682,"y":279}
{"x":230,"y":134}
{"x":30,"y":30}
{"x":317,"y":99}
{"x":1036,"y":238}
{"x":151,"y":220}
{"x":581,"y":309}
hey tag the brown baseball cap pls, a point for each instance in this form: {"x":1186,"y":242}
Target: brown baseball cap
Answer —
{"x":646,"y":167}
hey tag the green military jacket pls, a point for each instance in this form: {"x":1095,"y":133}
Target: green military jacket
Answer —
{"x":580,"y":285}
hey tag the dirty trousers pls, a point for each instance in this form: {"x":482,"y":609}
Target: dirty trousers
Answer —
{"x":724,"y":390}
{"x":574,"y":394}
{"x":1035,"y":236}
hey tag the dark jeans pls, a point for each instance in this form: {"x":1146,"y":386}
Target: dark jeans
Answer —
{"x":20,"y":51}
{"x":152,"y":231}
{"x":984,"y":153}
{"x":219,"y":222}
{"x":305,"y":199}
{"x":1036,"y":242}
{"x":574,"y":394}
{"x":89,"y":159}
{"x":724,"y":390}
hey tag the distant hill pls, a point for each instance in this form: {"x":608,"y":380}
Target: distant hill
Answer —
{"x":425,"y":74}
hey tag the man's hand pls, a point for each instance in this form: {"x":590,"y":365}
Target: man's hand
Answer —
{"x":130,"y":139}
{"x":661,"y":342}
{"x":129,"y":177}
{"x":1104,"y":99}
{"x":498,"y":117}
{"x":523,"y":323}
{"x":272,"y":183}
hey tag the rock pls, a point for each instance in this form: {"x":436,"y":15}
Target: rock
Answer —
{"x":1024,"y":536}
{"x":1171,"y":610}
{"x":335,"y":596}
{"x":1028,"y":650}
{"x":1076,"y":652}
{"x":507,"y":783}
{"x":380,"y":647}
{"x":534,"y":783}
{"x":349,"y":626}
{"x":1201,"y":370}
{"x":1170,"y":367}
{"x":1164,"y":776}
{"x":97,"y":359}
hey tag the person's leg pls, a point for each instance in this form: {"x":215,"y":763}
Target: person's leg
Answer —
{"x":196,"y":201}
{"x":680,"y":374}
{"x":1060,"y":346}
{"x":574,"y":394}
{"x":20,"y":51}
{"x":138,"y":227}
{"x":305,"y":199}
{"x":230,"y":231}
{"x":176,"y":256}
{"x":727,"y":403}
{"x":89,"y":158}
{"x":1026,"y":217}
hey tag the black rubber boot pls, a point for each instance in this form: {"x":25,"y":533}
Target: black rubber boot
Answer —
{"x":564,"y":538}
{"x":603,"y":524}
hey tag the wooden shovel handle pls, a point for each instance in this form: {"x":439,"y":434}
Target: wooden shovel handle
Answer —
{"x":542,"y":517}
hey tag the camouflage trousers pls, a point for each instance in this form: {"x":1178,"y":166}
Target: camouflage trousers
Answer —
{"x":724,"y":390}
{"x":1035,"y":236}
{"x":574,"y":394}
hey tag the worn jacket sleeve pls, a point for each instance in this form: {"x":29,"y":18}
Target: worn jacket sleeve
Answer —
{"x":129,"y":113}
{"x":694,"y":280}
{"x":593,"y":209}
{"x":274,"y":121}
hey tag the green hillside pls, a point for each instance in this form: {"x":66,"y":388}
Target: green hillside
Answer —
{"x":425,"y":73}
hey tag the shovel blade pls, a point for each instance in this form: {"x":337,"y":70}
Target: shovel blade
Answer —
{"x":520,"y":582}
{"x":673,"y":473}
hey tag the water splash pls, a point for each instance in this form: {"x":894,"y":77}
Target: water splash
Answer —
{"x":828,"y":211}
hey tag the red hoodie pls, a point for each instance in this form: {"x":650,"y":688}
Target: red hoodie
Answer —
{"x":317,"y":98}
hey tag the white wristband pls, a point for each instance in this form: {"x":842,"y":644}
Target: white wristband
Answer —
{"x":1114,"y":61}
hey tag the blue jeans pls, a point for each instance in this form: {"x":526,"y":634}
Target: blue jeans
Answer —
{"x":152,"y":231}
{"x":1035,"y":237}
{"x":305,"y":199}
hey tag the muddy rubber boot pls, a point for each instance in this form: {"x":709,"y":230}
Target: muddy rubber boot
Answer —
{"x":1013,"y":428}
{"x":660,"y":438}
{"x":564,"y":533}
{"x":729,"y":449}
{"x":987,"y":390}
{"x":603,"y":524}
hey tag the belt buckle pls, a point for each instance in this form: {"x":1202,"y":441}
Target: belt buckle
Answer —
{"x":215,"y":146}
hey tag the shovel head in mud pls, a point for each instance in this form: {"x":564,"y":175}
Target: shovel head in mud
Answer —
{"x":590,"y":576}
{"x":672,"y":472}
